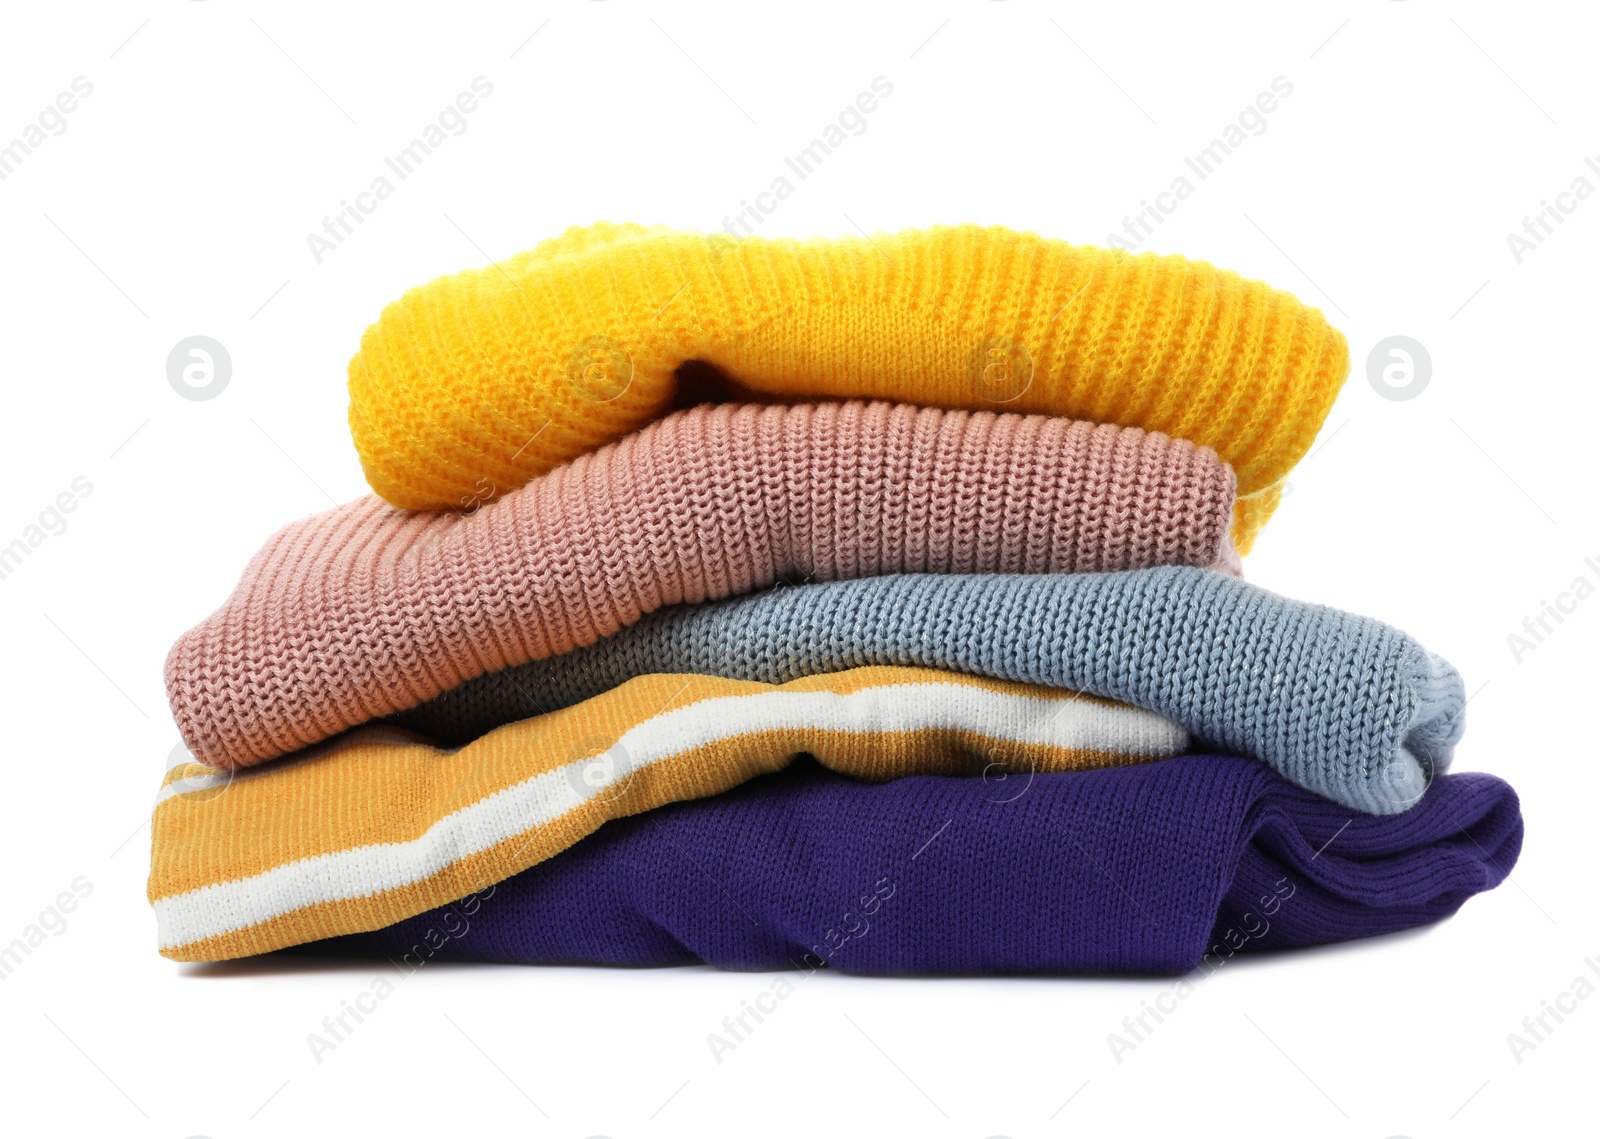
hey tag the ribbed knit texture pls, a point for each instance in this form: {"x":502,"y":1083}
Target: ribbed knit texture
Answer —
{"x":375,"y":826}
{"x":367,"y":610}
{"x":490,"y":377}
{"x":1166,"y":867}
{"x":1340,"y":704}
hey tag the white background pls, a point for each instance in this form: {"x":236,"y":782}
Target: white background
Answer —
{"x":218,"y":135}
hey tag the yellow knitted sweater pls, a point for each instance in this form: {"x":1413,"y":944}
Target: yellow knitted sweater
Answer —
{"x":469,"y":386}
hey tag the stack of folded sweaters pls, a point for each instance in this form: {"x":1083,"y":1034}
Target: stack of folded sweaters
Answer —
{"x":875,"y":603}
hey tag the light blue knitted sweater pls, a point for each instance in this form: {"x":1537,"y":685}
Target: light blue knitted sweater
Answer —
{"x":1342,"y":705}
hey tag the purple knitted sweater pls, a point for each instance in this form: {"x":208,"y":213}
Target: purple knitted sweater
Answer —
{"x":1164,"y":867}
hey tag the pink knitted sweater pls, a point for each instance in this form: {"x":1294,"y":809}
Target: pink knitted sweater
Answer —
{"x":368,"y":610}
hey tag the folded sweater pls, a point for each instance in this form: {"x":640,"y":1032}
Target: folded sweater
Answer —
{"x":366,"y":610}
{"x":1167,"y":867}
{"x":379,"y":826}
{"x":490,"y":377}
{"x":1343,"y":705}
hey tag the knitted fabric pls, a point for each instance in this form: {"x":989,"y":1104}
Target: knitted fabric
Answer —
{"x":380,"y":826}
{"x":1167,"y":867}
{"x":485,"y":379}
{"x":367,"y":610}
{"x":1343,"y":705}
